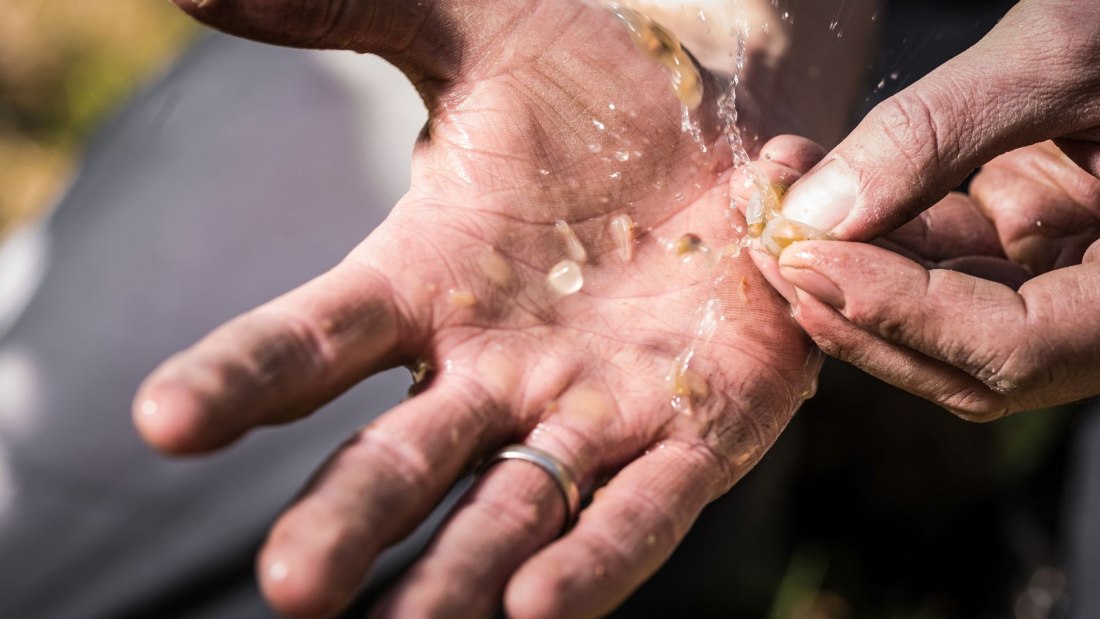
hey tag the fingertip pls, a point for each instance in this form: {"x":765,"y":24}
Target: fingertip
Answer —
{"x":793,"y":151}
{"x":166,"y":416}
{"x":535,"y":591}
{"x":292,"y":591}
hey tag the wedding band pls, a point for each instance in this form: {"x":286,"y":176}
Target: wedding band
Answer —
{"x":570,"y":492}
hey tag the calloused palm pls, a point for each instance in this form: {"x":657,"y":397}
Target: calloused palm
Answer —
{"x":539,"y":111}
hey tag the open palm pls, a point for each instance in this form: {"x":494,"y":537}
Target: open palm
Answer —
{"x":545,"y":124}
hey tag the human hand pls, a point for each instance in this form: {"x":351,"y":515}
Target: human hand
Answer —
{"x":998,"y":317}
{"x":1034,"y":77}
{"x":539,"y":112}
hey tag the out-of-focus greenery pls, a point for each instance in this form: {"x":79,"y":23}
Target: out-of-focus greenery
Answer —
{"x":64,"y":65}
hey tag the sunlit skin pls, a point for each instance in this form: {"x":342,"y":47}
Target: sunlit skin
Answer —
{"x":510,"y":149}
{"x":998,"y":312}
{"x":1023,"y":104}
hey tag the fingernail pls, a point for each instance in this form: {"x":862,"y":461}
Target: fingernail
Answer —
{"x":815,"y":284}
{"x":822,"y":198}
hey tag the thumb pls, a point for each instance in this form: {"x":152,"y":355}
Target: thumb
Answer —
{"x":999,"y":95}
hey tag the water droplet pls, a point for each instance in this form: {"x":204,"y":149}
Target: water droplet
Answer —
{"x":687,"y":385}
{"x":708,"y":324}
{"x":622,"y":155}
{"x":733,"y":250}
{"x":598,"y":125}
{"x":616,"y":175}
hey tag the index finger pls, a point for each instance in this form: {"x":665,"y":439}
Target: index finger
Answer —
{"x":1041,"y":345}
{"x":276,"y":363}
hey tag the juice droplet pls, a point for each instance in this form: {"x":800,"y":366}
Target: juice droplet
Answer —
{"x":496,"y":268}
{"x":781,"y":232}
{"x":687,"y":386}
{"x":573,"y":247}
{"x":462,"y":298}
{"x":566,"y":277}
{"x":687,"y":246}
{"x":622,"y":228}
{"x":657,"y":42}
{"x":811,"y":389}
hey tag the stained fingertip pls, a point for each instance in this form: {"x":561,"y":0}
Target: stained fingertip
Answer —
{"x":954,"y":390}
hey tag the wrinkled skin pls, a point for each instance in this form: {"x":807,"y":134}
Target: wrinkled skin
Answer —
{"x":1023,"y":104}
{"x":997,"y":314}
{"x":511,"y":90}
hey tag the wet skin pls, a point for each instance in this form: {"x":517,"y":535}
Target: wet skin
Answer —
{"x":509,"y":150}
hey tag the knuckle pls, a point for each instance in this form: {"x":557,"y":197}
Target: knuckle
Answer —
{"x":401,"y":458}
{"x":908,"y":124}
{"x":705,"y":458}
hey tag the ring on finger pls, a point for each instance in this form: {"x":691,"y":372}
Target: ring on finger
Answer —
{"x":567,"y":484}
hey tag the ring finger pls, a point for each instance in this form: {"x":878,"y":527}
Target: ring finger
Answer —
{"x":514,"y":510}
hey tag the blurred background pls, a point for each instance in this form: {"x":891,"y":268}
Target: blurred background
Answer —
{"x":64,"y":66}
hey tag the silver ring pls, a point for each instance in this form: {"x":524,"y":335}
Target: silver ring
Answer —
{"x":570,"y":492}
